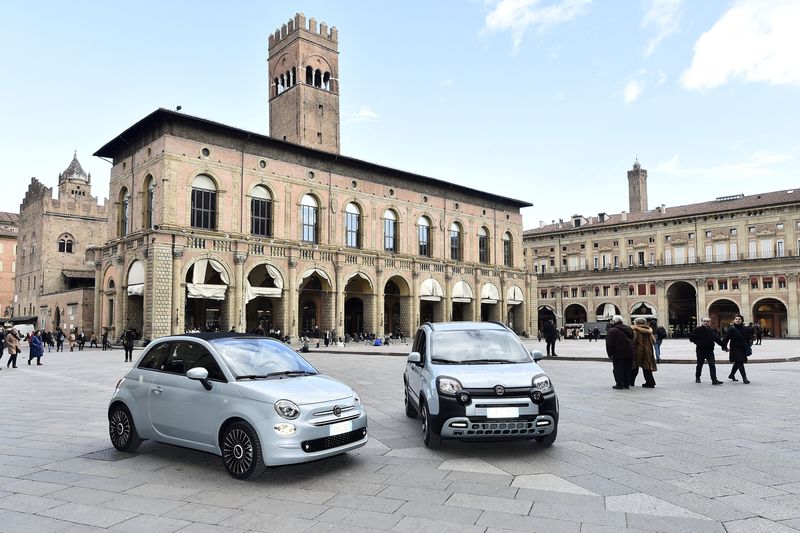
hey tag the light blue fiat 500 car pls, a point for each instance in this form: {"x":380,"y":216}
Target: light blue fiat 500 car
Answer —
{"x":252,"y":400}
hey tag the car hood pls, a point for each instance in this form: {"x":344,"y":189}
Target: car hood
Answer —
{"x":487,"y":376}
{"x":302,"y":390}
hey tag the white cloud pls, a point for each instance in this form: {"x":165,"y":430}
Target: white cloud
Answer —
{"x":754,"y":41}
{"x":662,"y":17}
{"x":632,"y":91}
{"x":754,"y":166}
{"x":519,"y":15}
{"x":364,"y":114}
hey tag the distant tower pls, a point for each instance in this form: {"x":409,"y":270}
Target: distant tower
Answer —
{"x":304,"y":84}
{"x":637,"y":188}
{"x":74,"y":182}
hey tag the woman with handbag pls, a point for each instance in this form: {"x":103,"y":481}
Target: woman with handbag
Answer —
{"x":739,"y":350}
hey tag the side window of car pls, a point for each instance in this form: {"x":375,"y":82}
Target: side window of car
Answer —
{"x":188,"y":355}
{"x":154,"y":360}
{"x":421,"y":347}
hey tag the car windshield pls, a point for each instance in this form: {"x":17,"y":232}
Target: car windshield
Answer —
{"x":261,"y":358}
{"x":477,"y":347}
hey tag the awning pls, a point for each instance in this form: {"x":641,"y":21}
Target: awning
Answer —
{"x":643,"y":309}
{"x":200,"y":267}
{"x":267,"y":292}
{"x":462,"y":292}
{"x":514,"y":295}
{"x":204,"y":290}
{"x":136,"y":290}
{"x":609,"y":310}
{"x":319,"y":272}
{"x":430,"y":290}
{"x":490,"y":294}
{"x":78,"y":274}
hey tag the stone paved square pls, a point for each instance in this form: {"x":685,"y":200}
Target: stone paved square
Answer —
{"x":681,"y":457}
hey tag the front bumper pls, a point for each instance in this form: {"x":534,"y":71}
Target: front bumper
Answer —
{"x":477,"y":421}
{"x":311,"y":442}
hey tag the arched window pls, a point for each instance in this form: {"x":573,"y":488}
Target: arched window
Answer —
{"x":424,"y":232}
{"x":308,"y":218}
{"x":149,"y":198}
{"x":309,"y":76}
{"x":294,"y":76}
{"x":326,"y":81}
{"x":352,"y":232}
{"x":389,"y":231}
{"x":204,"y":202}
{"x":483,"y":246}
{"x":317,"y":78}
{"x":277,"y":87}
{"x":124,"y":205}
{"x":65,"y":244}
{"x":261,"y":211}
{"x":508,"y":250}
{"x":455,"y":241}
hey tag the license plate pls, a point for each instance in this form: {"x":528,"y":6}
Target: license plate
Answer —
{"x":341,"y":427}
{"x":502,"y":412}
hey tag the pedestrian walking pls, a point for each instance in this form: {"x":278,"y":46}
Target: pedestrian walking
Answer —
{"x":11,"y":343}
{"x":127,"y":344}
{"x":759,"y":331}
{"x":550,"y":336}
{"x":93,"y":341}
{"x":71,"y":340}
{"x":59,"y":340}
{"x":37,"y":348}
{"x":104,"y":340}
{"x":2,"y":341}
{"x":737,"y":342}
{"x":660,"y":334}
{"x":704,"y":337}
{"x":619,"y":347}
{"x":643,"y":353}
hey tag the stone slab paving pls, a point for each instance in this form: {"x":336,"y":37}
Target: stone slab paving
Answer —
{"x":683,"y":457}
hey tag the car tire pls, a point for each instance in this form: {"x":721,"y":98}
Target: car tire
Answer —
{"x":429,"y":436}
{"x":548,"y":440}
{"x":242,"y":455}
{"x":411,"y":411}
{"x":122,"y":430}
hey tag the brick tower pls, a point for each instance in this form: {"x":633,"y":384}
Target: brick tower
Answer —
{"x":637,"y":188}
{"x":304,"y":84}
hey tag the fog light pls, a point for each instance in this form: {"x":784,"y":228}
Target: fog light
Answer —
{"x":540,"y":423}
{"x":463,"y":397}
{"x":284,"y":430}
{"x":537,"y":396}
{"x":458,"y":424}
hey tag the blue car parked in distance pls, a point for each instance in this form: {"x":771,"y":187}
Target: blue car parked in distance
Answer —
{"x":477,"y":381}
{"x":252,"y":400}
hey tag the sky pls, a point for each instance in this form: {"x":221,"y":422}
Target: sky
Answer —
{"x":545,"y":101}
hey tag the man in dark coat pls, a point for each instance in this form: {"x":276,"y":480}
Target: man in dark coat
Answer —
{"x":704,"y":337}
{"x":619,"y":347}
{"x":739,"y":338}
{"x":550,"y":335}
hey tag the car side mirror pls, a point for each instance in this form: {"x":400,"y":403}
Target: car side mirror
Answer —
{"x":414,"y":357}
{"x":199,"y":374}
{"x":537,"y":355}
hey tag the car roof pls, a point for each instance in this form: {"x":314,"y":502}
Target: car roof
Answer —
{"x":461,"y":326}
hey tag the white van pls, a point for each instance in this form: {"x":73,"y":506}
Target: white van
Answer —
{"x":22,"y":329}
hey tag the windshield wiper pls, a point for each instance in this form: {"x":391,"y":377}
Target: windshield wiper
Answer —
{"x":443,"y":361}
{"x":291,"y":373}
{"x":486,"y":362}
{"x":252,"y":376}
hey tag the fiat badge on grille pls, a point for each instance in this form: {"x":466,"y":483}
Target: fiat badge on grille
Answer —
{"x":337,"y":410}
{"x":499,"y":390}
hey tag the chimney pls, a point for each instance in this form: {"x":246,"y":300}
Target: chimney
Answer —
{"x":624,"y":216}
{"x":601,"y":217}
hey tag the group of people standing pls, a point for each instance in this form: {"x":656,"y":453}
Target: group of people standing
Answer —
{"x":638,"y":347}
{"x":11,"y":341}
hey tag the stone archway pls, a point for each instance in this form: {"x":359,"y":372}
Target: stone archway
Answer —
{"x":605,"y":311}
{"x":397,"y":307}
{"x":316,"y":303}
{"x":134,"y":306}
{"x":263,"y":290}
{"x":463,"y":299}
{"x":431,"y":307}
{"x":359,"y":302}
{"x":681,"y":308}
{"x":721,"y":313}
{"x":771,"y":315}
{"x":207,"y":309}
{"x":547,"y":313}
{"x":574,"y":314}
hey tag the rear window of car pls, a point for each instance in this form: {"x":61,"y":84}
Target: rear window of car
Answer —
{"x":476,"y":346}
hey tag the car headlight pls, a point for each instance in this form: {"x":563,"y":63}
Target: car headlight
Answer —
{"x":449,"y":386}
{"x":542,"y":383}
{"x":356,"y":398}
{"x":287,"y":409}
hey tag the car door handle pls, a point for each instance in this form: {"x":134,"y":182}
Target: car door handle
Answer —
{"x":156,"y":390}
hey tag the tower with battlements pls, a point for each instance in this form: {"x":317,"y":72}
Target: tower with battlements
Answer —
{"x":304,"y":84}
{"x":637,"y":188}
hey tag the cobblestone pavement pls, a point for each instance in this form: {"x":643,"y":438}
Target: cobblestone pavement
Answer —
{"x":682,"y":457}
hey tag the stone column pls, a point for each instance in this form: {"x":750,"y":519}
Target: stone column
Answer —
{"x":591,"y":308}
{"x":792,"y":310}
{"x":624,"y":301}
{"x":339,"y":288}
{"x":503,"y":302}
{"x":98,"y":299}
{"x":238,"y":292}
{"x":290,"y":298}
{"x":744,"y":308}
{"x":121,"y":299}
{"x":177,"y":314}
{"x":559,"y":307}
{"x":661,"y":298}
{"x":414,"y":303}
{"x":700,"y":287}
{"x":379,"y":319}
{"x":448,"y":291}
{"x":529,"y":293}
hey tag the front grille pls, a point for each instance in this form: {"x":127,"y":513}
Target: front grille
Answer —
{"x":336,"y":420}
{"x":511,"y":392}
{"x":522,"y":427}
{"x":334,"y":441}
